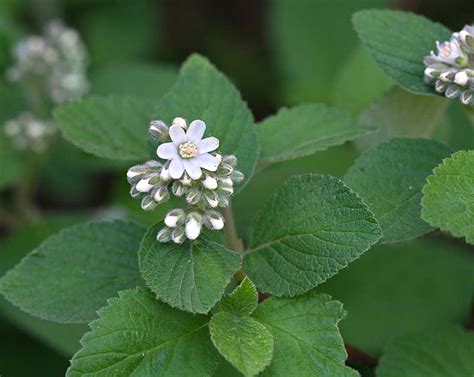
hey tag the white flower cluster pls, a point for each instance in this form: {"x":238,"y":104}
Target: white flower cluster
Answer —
{"x":193,"y":170}
{"x":57,"y":60}
{"x":451,"y":69}
{"x":29,"y":133}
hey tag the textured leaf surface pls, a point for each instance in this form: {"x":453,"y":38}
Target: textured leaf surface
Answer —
{"x":396,"y":289}
{"x":243,"y":300}
{"x":243,"y":341}
{"x":139,"y":336}
{"x":304,"y":130}
{"x":202,"y":92}
{"x":191,"y":276}
{"x":389,"y":178}
{"x":307,"y":340}
{"x":390,"y":116}
{"x":310,"y":229}
{"x":83,"y":265}
{"x":399,"y":41}
{"x":445,"y":352}
{"x":111,"y":127}
{"x":448,"y":201}
{"x":147,"y":81}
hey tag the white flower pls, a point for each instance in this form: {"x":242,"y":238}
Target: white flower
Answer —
{"x":449,"y":51}
{"x":188,"y":151}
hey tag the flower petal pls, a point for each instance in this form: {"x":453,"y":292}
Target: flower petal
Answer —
{"x":196,"y":131}
{"x":208,"y":144}
{"x":167,"y":151}
{"x":177,"y":135}
{"x":207,"y":161}
{"x":192,"y":168}
{"x":176,"y":168}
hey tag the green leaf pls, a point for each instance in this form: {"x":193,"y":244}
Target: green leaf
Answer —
{"x":243,"y":341}
{"x":448,"y":201}
{"x":243,"y":300}
{"x":304,"y":130}
{"x":389,"y":114}
{"x":307,"y":340}
{"x":148,"y":81}
{"x":307,"y":58}
{"x":310,"y":229}
{"x":389,"y":178}
{"x":83,"y":265}
{"x":442,"y":352}
{"x":111,"y":127}
{"x":137,"y":335}
{"x":399,"y":41}
{"x":12,"y":163}
{"x":191,"y":276}
{"x":401,"y":288}
{"x":202,"y":92}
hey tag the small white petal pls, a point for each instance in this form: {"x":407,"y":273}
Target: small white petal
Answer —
{"x":210,"y":183}
{"x":217,"y":224}
{"x":196,"y":131}
{"x":461,"y":78}
{"x":176,"y":168}
{"x":177,"y":135}
{"x":193,"y":229}
{"x":143,"y":185}
{"x":132,"y":173}
{"x":192,"y":168}
{"x":208,"y":144}
{"x":167,"y":151}
{"x":165,"y":174}
{"x":207,"y":161}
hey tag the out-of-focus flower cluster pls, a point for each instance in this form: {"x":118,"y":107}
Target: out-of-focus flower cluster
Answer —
{"x":193,"y":170}
{"x":451,"y":68}
{"x":56,"y":60}
{"x":30,"y":133}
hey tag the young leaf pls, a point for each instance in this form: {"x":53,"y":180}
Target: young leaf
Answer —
{"x":304,"y":130}
{"x":242,"y":301}
{"x":401,"y":288}
{"x":111,"y":127}
{"x":448,"y":200}
{"x":243,"y":341}
{"x":438,"y":353}
{"x":82,"y":265}
{"x":399,"y":41}
{"x":389,"y":178}
{"x":137,"y":335}
{"x":307,"y":340}
{"x":191,"y":276}
{"x":310,"y":229}
{"x":202,"y":92}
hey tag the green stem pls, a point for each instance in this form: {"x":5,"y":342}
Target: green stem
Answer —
{"x":235,"y":243}
{"x":25,"y":192}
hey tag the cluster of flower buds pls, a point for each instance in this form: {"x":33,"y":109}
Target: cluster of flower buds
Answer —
{"x":192,"y":169}
{"x":451,"y":69}
{"x":57,"y":60}
{"x":29,"y":133}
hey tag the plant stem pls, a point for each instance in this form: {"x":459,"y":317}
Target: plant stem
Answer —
{"x":25,"y":191}
{"x":235,"y":243}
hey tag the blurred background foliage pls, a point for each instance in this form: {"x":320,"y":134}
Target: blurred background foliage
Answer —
{"x":278,"y":53}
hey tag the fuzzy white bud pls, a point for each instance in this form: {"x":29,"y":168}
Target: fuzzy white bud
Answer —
{"x":144,"y":185}
{"x":193,"y":228}
{"x":174,"y":217}
{"x":209,"y":182}
{"x":180,"y":122}
{"x":461,"y":78}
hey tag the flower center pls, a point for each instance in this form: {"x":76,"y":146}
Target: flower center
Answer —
{"x":188,"y":150}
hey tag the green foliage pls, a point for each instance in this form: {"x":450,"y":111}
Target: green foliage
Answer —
{"x":83,"y":265}
{"x":243,"y":341}
{"x":307,"y":340}
{"x":448,"y":201}
{"x":389,"y":178}
{"x":304,"y":130}
{"x":12,"y":163}
{"x":399,"y":41}
{"x":441,"y":352}
{"x":192,"y":276}
{"x":111,"y":127}
{"x":242,"y":301}
{"x":401,"y":288}
{"x":137,"y":335}
{"x":202,"y":92}
{"x":310,"y":229}
{"x":149,"y":81}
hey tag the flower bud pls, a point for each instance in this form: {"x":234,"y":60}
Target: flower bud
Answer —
{"x":440,"y":86}
{"x":186,"y":180}
{"x":164,"y":235}
{"x":144,"y":185}
{"x":237,"y":176}
{"x":135,"y":173}
{"x":174,"y":218}
{"x":148,"y":204}
{"x":231,"y":160}
{"x":452,"y":91}
{"x":178,"y":236}
{"x":225,"y":169}
{"x":158,"y":130}
{"x":161,"y":194}
{"x":134,"y":193}
{"x":461,"y":78}
{"x":466,"y":97}
{"x":211,"y":198}
{"x":209,"y":182}
{"x":193,"y":226}
{"x":177,"y":188}
{"x":180,"y":122}
{"x":214,"y":220}
{"x":193,"y":196}
{"x":224,"y":201}
{"x":165,"y":174}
